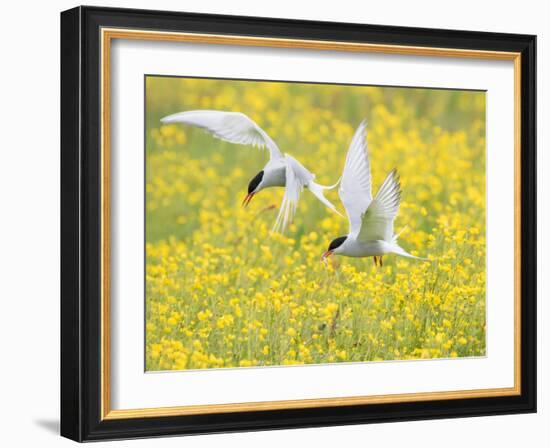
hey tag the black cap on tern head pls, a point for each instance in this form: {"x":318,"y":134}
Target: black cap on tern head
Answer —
{"x":337,"y":242}
{"x":255,"y":182}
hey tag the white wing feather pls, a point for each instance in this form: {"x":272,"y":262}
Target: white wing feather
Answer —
{"x":377,"y":221}
{"x":355,"y":187}
{"x":233,"y":127}
{"x":297,"y":177}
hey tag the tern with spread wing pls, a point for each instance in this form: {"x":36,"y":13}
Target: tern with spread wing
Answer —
{"x":370,"y":219}
{"x":282,"y":170}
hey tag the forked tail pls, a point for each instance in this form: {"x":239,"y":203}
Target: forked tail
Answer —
{"x":330,"y":187}
{"x":398,"y":250}
{"x":317,"y":190}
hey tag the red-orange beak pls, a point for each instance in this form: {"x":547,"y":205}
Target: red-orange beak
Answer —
{"x":247,"y":199}
{"x":327,"y":254}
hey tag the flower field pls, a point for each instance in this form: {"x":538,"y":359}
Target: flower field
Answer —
{"x":222,"y":291}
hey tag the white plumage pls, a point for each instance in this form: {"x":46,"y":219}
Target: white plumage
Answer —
{"x":281,"y":169}
{"x":371,"y":220}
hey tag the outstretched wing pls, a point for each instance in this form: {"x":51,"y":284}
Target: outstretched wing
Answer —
{"x":377,"y":221}
{"x":297,"y":177}
{"x":355,"y":186}
{"x":233,"y":127}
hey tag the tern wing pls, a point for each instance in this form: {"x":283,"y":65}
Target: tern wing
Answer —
{"x":233,"y":127}
{"x":355,"y":187}
{"x":377,"y":221}
{"x":297,"y":177}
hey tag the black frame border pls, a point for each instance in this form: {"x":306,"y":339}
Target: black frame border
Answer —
{"x":81,"y":223}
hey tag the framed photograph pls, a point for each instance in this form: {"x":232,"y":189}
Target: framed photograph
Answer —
{"x":276,"y":224}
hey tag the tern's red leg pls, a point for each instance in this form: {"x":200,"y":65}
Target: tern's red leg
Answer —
{"x":381,"y":262}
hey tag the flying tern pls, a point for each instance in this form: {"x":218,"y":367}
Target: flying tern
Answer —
{"x":370,"y":219}
{"x":282,"y":170}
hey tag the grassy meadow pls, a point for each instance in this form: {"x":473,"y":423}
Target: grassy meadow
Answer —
{"x":222,"y":291}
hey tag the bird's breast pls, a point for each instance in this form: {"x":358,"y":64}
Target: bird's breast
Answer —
{"x":355,"y":248}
